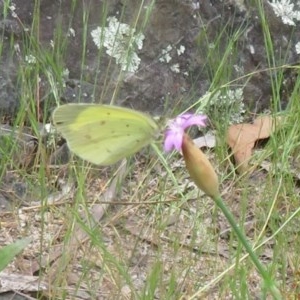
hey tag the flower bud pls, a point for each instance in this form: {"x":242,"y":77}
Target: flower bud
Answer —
{"x":199,"y":168}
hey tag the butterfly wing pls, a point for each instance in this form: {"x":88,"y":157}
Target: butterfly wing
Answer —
{"x":103,"y":134}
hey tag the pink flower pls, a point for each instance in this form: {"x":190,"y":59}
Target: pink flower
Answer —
{"x":176,"y":127}
{"x":197,"y":164}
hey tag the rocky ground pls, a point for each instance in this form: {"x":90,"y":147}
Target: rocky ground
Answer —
{"x":156,"y":86}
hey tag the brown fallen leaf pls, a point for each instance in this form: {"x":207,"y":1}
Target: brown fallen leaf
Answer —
{"x":266,"y":125}
{"x":242,"y":137}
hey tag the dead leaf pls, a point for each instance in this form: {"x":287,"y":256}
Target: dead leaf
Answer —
{"x":242,"y":137}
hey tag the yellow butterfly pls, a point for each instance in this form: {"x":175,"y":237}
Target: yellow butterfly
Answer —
{"x":104,"y":134}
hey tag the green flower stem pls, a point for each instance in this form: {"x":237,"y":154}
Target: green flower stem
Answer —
{"x":269,"y":283}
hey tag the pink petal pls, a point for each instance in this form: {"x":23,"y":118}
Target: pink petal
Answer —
{"x":199,"y":120}
{"x":174,"y":133}
{"x":168,"y":143}
{"x":173,"y":140}
{"x":177,"y":140}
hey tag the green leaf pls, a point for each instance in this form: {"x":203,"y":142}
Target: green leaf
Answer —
{"x":8,"y":253}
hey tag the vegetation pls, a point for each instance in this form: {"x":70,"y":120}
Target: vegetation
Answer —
{"x":141,"y":229}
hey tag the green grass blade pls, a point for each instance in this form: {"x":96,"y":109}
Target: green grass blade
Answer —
{"x":8,"y":253}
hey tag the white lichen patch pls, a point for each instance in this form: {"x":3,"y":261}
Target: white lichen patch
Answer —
{"x":12,"y":8}
{"x":175,"y":68}
{"x":287,"y":11}
{"x":228,"y":105}
{"x":180,"y":50}
{"x":165,"y":54}
{"x":65,"y":73}
{"x":297,"y":47}
{"x":30,"y":59}
{"x":71,"y":32}
{"x":121,"y":42}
